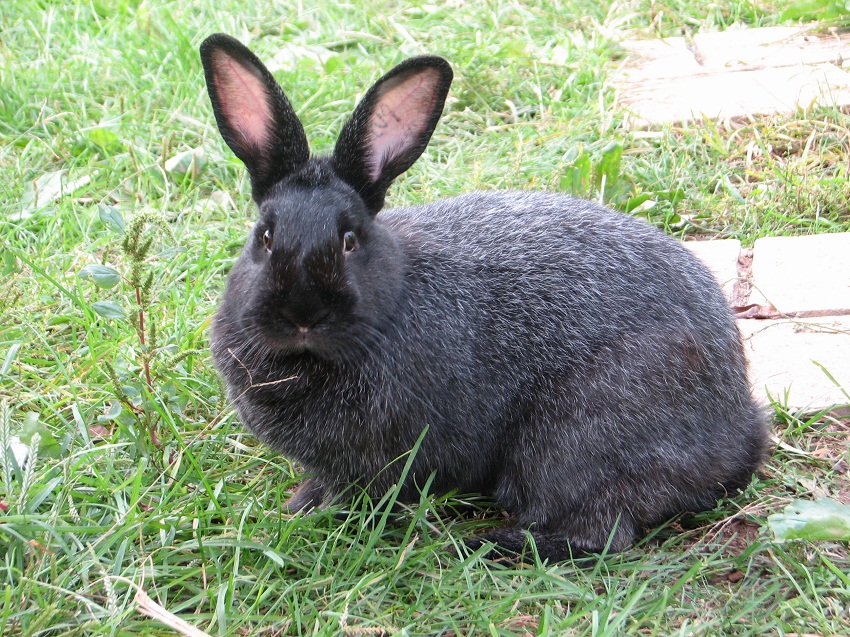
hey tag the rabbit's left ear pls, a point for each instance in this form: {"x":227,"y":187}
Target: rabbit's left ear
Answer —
{"x":253,"y":115}
{"x":391,"y":126}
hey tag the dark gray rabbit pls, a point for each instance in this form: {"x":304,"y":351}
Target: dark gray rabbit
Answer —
{"x":572,"y":362}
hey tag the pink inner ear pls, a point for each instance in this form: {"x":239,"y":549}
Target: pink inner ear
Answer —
{"x":244,"y":99}
{"x":400,"y":117}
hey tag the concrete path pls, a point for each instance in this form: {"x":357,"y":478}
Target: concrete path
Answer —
{"x":792,"y":297}
{"x":733,"y":74}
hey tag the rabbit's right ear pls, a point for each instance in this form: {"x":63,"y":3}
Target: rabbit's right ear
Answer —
{"x":254,"y":116}
{"x":391,"y":126}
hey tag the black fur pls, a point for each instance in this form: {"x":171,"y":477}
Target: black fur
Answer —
{"x":573,"y":362}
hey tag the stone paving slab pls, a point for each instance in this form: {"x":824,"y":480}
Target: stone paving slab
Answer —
{"x":721,"y":257}
{"x":805,"y":275}
{"x":733,"y":74}
{"x":786,"y":357}
{"x":799,"y":274}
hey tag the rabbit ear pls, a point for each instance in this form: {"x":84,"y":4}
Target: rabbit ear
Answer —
{"x":253,"y":115}
{"x":391,"y":126}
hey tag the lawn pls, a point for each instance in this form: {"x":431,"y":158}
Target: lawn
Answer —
{"x":121,"y":212}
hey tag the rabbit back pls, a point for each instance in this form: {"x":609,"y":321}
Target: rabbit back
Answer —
{"x":606,"y":354}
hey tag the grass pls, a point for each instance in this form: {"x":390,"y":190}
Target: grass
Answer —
{"x":156,"y":484}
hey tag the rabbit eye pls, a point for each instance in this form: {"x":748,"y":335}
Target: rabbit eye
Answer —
{"x":349,"y":241}
{"x":267,"y":239}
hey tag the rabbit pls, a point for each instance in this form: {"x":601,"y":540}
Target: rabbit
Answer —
{"x":572,"y":363}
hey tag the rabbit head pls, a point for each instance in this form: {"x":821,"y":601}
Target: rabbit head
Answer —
{"x":318,"y":272}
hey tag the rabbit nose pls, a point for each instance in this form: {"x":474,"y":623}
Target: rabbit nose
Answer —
{"x":303,"y":308}
{"x":304,"y":318}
